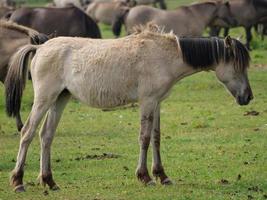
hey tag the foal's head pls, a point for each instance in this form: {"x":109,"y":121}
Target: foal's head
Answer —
{"x":227,"y":57}
{"x":232,"y":72}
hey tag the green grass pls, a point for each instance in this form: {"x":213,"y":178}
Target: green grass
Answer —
{"x":206,"y":138}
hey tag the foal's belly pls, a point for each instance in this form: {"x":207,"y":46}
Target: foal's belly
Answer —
{"x":104,"y":94}
{"x":104,"y":98}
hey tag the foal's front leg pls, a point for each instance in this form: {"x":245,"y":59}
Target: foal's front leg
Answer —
{"x":157,"y":167}
{"x":147,"y":115}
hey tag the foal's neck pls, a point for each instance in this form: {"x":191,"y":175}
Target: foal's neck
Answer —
{"x":183,"y":70}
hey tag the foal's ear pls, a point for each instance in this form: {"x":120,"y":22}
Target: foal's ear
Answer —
{"x":228,"y":41}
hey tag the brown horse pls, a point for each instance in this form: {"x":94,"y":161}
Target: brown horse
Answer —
{"x":68,"y":21}
{"x":12,"y":37}
{"x":247,"y":13}
{"x":144,"y":68}
{"x":184,"y":21}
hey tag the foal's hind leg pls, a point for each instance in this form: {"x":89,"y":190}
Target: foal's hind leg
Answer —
{"x":157,"y":168}
{"x":27,"y":134}
{"x":46,"y":137}
{"x":147,"y":116}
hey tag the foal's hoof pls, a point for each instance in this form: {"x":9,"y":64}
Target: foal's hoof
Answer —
{"x":55,"y":187}
{"x":19,"y":188}
{"x":150,"y":183}
{"x":167,"y":181}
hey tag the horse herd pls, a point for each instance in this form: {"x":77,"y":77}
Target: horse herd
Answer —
{"x":106,"y":73}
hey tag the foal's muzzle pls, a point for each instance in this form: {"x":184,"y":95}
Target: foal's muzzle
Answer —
{"x":244,"y":99}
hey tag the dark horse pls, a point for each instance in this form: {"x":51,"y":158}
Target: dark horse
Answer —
{"x":69,"y":21}
{"x":247,"y":13}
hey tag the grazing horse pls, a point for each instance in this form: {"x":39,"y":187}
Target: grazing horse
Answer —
{"x":247,"y":13}
{"x":12,"y":37}
{"x":184,"y":21}
{"x":68,"y":21}
{"x":144,"y":67}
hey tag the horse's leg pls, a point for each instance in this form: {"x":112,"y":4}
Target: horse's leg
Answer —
{"x":226,"y":31}
{"x":46,"y":137}
{"x":27,"y":133}
{"x":264,"y":31}
{"x":215,"y":31}
{"x":157,"y":168}
{"x":19,"y":122}
{"x":249,"y":36}
{"x":162,"y":4}
{"x":147,"y":115}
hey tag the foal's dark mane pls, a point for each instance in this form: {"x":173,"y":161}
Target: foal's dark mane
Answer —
{"x":204,"y":53}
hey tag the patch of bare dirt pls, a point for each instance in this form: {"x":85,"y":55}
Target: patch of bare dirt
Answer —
{"x":97,"y":157}
{"x":224,"y":182}
{"x":45,"y":193}
{"x":255,"y":189}
{"x":260,"y":65}
{"x":252,"y":113}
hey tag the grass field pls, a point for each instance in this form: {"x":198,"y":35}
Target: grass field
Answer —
{"x":211,"y":147}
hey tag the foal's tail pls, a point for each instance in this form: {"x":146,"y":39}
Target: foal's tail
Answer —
{"x":16,"y":79}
